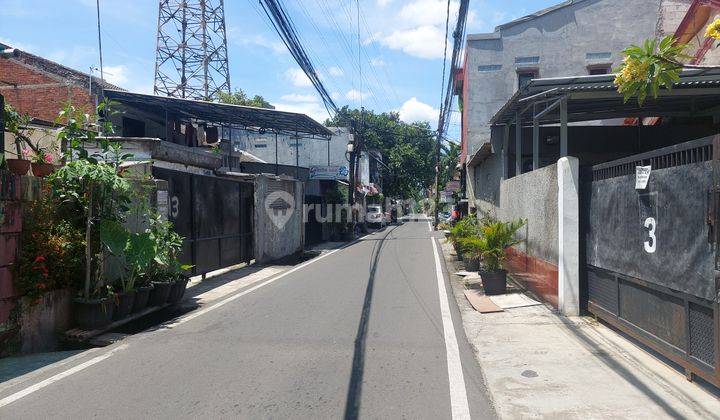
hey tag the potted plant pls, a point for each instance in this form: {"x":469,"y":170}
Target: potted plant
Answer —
{"x":467,"y":227}
{"x":21,"y":165}
{"x":165,"y":270}
{"x":142,"y":295}
{"x":495,"y":237}
{"x":42,"y":163}
{"x":136,"y":250}
{"x":469,"y":247}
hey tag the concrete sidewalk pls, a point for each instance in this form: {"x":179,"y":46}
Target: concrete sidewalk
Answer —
{"x":541,"y":365}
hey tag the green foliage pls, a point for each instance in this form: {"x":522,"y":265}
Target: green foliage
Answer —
{"x":51,"y":256}
{"x":465,"y":228}
{"x":165,"y":265}
{"x":448,"y":162}
{"x":240,"y":98}
{"x":650,"y":67}
{"x":408,"y":150}
{"x":495,"y":237}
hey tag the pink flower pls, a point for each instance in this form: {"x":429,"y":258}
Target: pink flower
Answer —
{"x":48,"y":158}
{"x":25,"y":152}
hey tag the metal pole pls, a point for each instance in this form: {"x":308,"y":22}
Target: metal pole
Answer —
{"x":277,"y":172}
{"x":518,"y":145}
{"x":505,"y":154}
{"x":436,"y":211}
{"x":536,"y":140}
{"x":102,"y":75}
{"x":297,"y":156}
{"x":328,"y":150}
{"x":563,"y":127}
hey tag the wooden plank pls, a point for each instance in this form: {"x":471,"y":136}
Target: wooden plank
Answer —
{"x":481,"y":303}
{"x":77,"y":334}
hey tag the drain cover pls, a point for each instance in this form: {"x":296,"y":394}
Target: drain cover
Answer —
{"x":529,"y":374}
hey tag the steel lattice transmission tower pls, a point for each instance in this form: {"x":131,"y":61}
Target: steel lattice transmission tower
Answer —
{"x":191,"y":60}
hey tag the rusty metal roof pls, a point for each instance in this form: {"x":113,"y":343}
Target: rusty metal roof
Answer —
{"x":248,"y":117}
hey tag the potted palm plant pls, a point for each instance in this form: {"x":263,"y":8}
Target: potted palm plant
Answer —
{"x":467,"y":227}
{"x":495,"y":238}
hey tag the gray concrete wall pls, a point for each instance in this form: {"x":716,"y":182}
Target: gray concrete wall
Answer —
{"x":562,"y":39}
{"x":277,"y":234}
{"x":534,"y":196}
{"x":42,"y":323}
{"x":312,"y":152}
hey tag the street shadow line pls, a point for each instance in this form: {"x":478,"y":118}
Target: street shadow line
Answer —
{"x":352,"y":405}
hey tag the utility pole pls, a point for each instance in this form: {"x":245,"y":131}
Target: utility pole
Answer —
{"x":102,"y":74}
{"x":437,"y":180}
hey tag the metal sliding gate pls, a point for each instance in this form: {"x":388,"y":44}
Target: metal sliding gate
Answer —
{"x":651,"y":254}
{"x":215,"y":217}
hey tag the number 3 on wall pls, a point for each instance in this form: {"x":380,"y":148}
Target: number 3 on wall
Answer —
{"x":650,"y":245}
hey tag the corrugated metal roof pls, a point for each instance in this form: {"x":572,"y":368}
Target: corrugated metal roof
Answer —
{"x":246,"y":116}
{"x":541,"y":89}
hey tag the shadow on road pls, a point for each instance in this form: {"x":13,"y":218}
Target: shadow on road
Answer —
{"x":352,"y":406}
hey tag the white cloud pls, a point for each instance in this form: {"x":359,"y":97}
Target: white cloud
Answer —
{"x":413,"y":110}
{"x":377,"y":62}
{"x":314,"y":110}
{"x":383,"y":3}
{"x":74,"y":56}
{"x":427,"y":12}
{"x":424,"y":41}
{"x":236,"y":37}
{"x":296,"y":97}
{"x":117,"y":75}
{"x":356,"y":95}
{"x":335,"y":71}
{"x":297,"y":77}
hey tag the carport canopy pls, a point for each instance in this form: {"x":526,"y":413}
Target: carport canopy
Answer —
{"x":591,"y":98}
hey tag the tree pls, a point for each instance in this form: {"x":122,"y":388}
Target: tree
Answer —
{"x":407,"y":149}
{"x":655,"y":65}
{"x":240,"y":98}
{"x":448,"y":162}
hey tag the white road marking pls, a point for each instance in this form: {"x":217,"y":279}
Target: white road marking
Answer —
{"x":458,"y":393}
{"x":203,"y":311}
{"x":42,"y":384}
{"x":429,"y":226}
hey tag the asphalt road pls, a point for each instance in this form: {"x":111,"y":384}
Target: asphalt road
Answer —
{"x":358,"y":333}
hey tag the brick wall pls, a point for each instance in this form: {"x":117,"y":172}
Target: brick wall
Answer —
{"x":39,"y":93}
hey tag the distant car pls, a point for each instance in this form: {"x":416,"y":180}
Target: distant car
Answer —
{"x":375,"y":216}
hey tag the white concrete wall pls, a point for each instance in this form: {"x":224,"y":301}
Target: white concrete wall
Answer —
{"x":277,"y":235}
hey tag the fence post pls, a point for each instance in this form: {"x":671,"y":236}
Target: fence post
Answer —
{"x":568,"y":236}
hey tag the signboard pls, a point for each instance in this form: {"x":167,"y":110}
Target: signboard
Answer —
{"x":642,"y":176}
{"x":452,"y":186}
{"x":329,"y":172}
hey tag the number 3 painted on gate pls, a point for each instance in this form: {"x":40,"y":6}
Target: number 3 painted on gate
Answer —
{"x":174,"y":206}
{"x":650,"y":224}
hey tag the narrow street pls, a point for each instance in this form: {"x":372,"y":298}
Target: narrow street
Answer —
{"x":358,"y":332}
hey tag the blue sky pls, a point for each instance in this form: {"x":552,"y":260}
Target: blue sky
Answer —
{"x":402,"y":46}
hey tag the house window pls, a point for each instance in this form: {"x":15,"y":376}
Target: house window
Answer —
{"x":527,"y":60}
{"x":524,"y":77}
{"x":489,"y":68}
{"x":598,"y":70}
{"x":598,"y":56}
{"x":260,"y":145}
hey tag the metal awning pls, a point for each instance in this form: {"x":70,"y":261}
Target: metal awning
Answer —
{"x":247,"y":117}
{"x":595,"y":98}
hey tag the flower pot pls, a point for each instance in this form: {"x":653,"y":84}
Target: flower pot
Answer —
{"x":159,"y":294}
{"x":142,"y":294}
{"x":472,"y":264}
{"x":18,"y":166}
{"x":123,"y":304}
{"x":177,"y":290}
{"x":41,"y":169}
{"x":92,"y":314}
{"x":494,"y":282}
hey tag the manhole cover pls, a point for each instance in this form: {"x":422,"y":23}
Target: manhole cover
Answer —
{"x":529,"y":374}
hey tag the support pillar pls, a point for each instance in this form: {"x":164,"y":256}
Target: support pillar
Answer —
{"x":536,"y":141}
{"x":518,"y":145}
{"x":568,"y":236}
{"x":563,"y":128}
{"x":505,"y":147}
